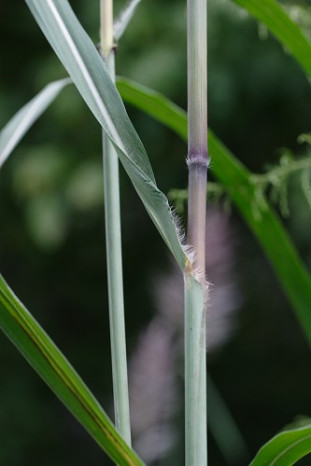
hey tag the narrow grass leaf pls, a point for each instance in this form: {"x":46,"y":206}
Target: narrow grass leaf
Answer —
{"x":286,"y":448}
{"x":16,"y":128}
{"x":43,"y":355}
{"x":124,"y":18}
{"x":268,"y":229}
{"x":153,"y":103}
{"x":258,"y":214}
{"x":88,"y":71}
{"x":271,"y":13}
{"x":223,"y":427}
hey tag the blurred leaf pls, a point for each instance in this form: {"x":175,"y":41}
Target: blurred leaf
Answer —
{"x":47,"y":220}
{"x":289,"y":34}
{"x":124,"y":18}
{"x":285,"y":448}
{"x":298,"y":422}
{"x":40,"y":351}
{"x":305,"y":137}
{"x":84,"y":189}
{"x":223,"y":427}
{"x":255,"y":209}
{"x":38,"y":170}
{"x":300,"y":13}
{"x":15,"y":129}
{"x":88,"y":71}
{"x":153,"y":103}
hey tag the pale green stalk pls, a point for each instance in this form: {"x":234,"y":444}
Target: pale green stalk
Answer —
{"x":114,"y":246}
{"x":195,"y":318}
{"x":195,"y":374}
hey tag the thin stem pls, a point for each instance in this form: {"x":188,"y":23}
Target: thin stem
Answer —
{"x":197,"y":79}
{"x":114,"y":247}
{"x":197,"y":126}
{"x":195,"y":318}
{"x":195,"y":374}
{"x":106,"y":28}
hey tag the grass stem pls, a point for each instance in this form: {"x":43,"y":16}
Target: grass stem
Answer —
{"x":195,"y":318}
{"x":114,"y":246}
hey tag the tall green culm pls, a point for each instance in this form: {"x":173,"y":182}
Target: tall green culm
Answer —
{"x":113,"y":244}
{"x":195,"y":316}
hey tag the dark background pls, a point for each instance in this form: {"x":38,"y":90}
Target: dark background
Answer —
{"x":52,"y":245}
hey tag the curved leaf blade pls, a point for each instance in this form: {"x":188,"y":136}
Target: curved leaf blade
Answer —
{"x":289,"y":34}
{"x":286,"y":448}
{"x":17,"y":127}
{"x":268,"y":229}
{"x":259,"y":216}
{"x":88,"y":71}
{"x":154,"y":104}
{"x":43,"y":355}
{"x":124,"y":18}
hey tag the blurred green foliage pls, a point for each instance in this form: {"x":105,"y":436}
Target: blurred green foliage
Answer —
{"x":52,"y":245}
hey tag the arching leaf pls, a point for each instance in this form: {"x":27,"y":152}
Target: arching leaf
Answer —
{"x":48,"y":361}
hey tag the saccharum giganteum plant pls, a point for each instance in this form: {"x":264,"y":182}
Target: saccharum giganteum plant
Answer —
{"x":93,"y":76}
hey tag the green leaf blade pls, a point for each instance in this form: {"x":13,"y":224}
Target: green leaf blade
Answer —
{"x":16,"y":128}
{"x":287,"y":32}
{"x":154,"y":104}
{"x":42,"y":354}
{"x":267,"y":228}
{"x":124,"y":18}
{"x":88,"y":71}
{"x":284,"y":449}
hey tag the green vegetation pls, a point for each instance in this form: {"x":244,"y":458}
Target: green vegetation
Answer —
{"x":250,"y":192}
